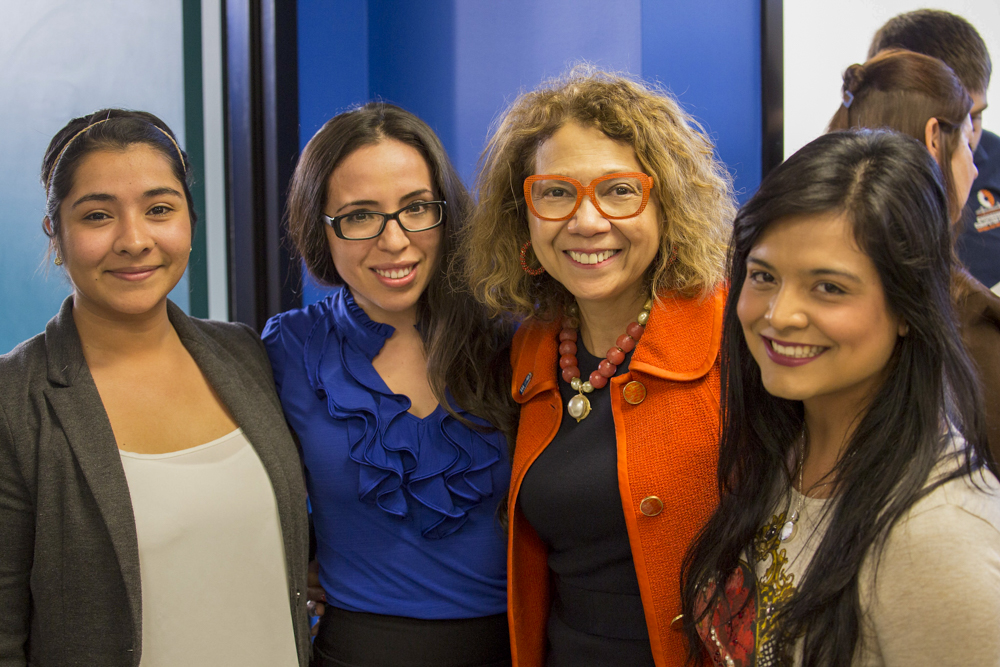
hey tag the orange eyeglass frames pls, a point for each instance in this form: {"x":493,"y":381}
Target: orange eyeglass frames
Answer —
{"x":616,"y":196}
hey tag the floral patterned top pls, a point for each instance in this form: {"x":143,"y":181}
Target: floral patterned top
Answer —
{"x":942,"y":555}
{"x":749,"y":636}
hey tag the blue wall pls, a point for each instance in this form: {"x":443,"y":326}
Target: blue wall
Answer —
{"x":507,"y":47}
{"x":709,"y":57}
{"x":333,"y":60}
{"x":458,"y":63}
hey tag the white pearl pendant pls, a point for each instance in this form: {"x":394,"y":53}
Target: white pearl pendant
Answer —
{"x":789,"y":529}
{"x":578,"y":407}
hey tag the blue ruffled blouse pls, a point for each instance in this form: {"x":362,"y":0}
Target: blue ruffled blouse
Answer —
{"x":404,"y":508}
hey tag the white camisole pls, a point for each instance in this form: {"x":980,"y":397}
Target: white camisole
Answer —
{"x":211,"y":558}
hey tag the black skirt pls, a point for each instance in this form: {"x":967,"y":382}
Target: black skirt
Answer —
{"x":356,"y":639}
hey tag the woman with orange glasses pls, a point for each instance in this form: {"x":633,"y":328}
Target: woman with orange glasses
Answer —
{"x":603,"y":221}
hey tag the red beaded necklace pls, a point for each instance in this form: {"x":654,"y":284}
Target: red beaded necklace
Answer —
{"x":579,"y":406}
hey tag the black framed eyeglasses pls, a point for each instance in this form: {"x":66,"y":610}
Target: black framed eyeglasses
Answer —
{"x":363,"y":225}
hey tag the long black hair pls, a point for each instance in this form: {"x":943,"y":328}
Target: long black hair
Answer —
{"x":892,"y":193}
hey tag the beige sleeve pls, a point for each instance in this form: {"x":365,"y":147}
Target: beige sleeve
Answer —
{"x":936,"y":596}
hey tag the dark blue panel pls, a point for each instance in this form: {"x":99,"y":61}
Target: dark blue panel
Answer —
{"x":241,"y":121}
{"x":333,"y":74}
{"x":708,"y":54}
{"x":333,"y":60}
{"x":458,"y":63}
{"x":506,"y":47}
{"x":411,"y":47}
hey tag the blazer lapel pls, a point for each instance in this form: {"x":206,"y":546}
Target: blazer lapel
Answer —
{"x":228,"y":378}
{"x":77,"y":405}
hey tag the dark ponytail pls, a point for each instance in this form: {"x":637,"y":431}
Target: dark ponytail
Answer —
{"x":901,"y":91}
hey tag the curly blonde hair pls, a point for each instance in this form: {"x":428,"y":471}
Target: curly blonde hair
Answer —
{"x":692,"y":189}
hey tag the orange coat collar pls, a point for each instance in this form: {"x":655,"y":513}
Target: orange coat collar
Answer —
{"x":680,"y":345}
{"x":681,"y":342}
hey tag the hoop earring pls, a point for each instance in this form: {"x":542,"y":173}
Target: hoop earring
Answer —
{"x":524,"y":262}
{"x":673,"y":255}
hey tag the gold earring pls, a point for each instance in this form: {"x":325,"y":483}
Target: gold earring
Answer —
{"x":57,"y":261}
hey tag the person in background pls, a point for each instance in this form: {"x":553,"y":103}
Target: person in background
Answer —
{"x":956,"y":42}
{"x":602,"y":222}
{"x":919,"y":96}
{"x":147,"y":477}
{"x":859,"y":518}
{"x":397,"y":388}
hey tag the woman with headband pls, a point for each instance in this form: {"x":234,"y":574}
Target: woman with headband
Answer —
{"x":921,"y":97}
{"x":147,"y":477}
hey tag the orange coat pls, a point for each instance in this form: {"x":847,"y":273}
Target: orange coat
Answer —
{"x":667,"y":456}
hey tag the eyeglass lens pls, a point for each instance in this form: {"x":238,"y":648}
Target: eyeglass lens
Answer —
{"x":618,"y":197}
{"x":366,"y":224}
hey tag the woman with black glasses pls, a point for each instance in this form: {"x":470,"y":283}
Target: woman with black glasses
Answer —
{"x":398,"y":389}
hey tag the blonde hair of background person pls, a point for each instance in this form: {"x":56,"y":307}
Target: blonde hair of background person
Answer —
{"x":919,"y":96}
{"x":951,"y":39}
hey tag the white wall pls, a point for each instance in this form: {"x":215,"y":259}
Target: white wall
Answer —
{"x":59,"y":60}
{"x":822,"y":39}
{"x":214,"y":176}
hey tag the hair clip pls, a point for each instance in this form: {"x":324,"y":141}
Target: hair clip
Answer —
{"x":848,"y":99}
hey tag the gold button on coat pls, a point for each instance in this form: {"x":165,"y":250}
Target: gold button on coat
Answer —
{"x":651,"y":506}
{"x":634,"y":392}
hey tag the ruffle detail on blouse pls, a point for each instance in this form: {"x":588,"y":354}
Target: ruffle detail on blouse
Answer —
{"x":439,"y":463}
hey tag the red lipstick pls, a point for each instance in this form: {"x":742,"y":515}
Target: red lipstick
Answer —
{"x":785,"y":360}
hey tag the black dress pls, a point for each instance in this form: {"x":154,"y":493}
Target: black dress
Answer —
{"x":570,"y":496}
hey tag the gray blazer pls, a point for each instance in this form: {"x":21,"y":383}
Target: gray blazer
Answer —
{"x":69,"y":559}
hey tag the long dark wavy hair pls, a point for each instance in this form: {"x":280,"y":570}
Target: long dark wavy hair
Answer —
{"x":891,"y":190}
{"x":467,"y":352}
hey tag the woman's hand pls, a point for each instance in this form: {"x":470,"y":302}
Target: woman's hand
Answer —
{"x":315,"y":595}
